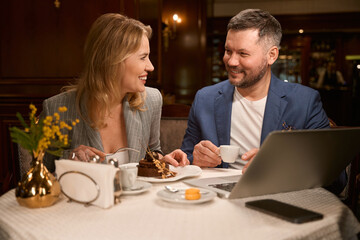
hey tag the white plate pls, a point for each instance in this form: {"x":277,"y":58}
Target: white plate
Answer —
{"x":139,"y":187}
{"x":181,"y":172}
{"x":179,"y":197}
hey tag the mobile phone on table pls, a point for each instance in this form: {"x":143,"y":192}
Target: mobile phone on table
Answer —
{"x":284,"y":211}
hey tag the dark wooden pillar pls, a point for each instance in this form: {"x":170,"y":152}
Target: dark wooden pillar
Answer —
{"x":184,"y":51}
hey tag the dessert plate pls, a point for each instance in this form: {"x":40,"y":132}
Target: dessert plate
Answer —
{"x":181,"y":172}
{"x":139,"y":187}
{"x":179,"y":197}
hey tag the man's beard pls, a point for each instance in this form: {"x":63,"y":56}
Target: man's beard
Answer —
{"x":250,"y":80}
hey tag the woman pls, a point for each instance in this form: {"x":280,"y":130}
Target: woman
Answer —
{"x":115,"y":108}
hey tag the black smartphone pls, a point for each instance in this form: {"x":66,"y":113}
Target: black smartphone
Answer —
{"x":284,"y":211}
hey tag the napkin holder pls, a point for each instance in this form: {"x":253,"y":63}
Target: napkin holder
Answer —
{"x":89,"y":183}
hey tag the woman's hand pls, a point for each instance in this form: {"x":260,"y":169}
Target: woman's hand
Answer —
{"x":249,"y":156}
{"x":85,"y":154}
{"x":177,"y":158}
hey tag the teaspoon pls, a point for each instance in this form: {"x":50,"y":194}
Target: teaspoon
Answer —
{"x":174,"y":190}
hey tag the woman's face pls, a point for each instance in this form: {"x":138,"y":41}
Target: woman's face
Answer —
{"x":137,"y":67}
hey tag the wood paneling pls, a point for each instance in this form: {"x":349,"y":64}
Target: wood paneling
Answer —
{"x":41,"y":49}
{"x":42,"y":41}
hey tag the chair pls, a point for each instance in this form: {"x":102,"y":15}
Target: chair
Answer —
{"x":172,"y":131}
{"x":25,"y":160}
{"x":350,"y":196}
{"x":332,"y":123}
{"x":353,"y":188}
{"x":173,"y":125}
{"x":175,"y":110}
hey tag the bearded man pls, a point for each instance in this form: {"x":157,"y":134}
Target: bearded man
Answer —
{"x":253,"y":102}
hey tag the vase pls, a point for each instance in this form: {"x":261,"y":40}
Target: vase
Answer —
{"x":38,"y":188}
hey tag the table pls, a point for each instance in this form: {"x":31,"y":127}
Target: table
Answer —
{"x":145,"y":216}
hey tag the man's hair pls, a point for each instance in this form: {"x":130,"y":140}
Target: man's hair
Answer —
{"x":111,"y":40}
{"x":269,"y":28}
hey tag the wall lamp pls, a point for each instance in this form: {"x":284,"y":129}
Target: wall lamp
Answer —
{"x":169,"y":29}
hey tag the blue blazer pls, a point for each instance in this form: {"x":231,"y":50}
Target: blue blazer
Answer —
{"x":288,"y":104}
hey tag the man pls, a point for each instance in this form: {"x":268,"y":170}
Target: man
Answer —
{"x":253,"y":102}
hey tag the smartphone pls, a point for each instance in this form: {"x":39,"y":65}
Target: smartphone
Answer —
{"x":284,"y":211}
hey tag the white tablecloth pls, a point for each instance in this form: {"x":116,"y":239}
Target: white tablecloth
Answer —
{"x":145,"y":216}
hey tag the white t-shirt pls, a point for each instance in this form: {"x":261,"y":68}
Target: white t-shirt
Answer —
{"x":246,"y":122}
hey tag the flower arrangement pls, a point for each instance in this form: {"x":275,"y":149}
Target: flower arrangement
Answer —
{"x":42,"y":135}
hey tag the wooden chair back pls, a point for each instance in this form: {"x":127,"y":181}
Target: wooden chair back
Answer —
{"x":173,"y":126}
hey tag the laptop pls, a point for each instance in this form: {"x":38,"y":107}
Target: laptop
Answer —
{"x":290,"y":161}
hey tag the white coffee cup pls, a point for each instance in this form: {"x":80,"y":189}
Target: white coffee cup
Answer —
{"x":128,"y":175}
{"x":229,"y":153}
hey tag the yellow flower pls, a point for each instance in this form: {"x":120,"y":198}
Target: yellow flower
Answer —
{"x":48,"y":120}
{"x":40,"y":135}
{"x":33,"y":110}
{"x":62,"y":109}
{"x":56,"y":116}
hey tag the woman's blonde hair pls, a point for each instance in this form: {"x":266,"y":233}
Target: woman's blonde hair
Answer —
{"x":112,"y":39}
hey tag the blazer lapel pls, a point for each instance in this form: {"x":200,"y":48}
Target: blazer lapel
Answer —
{"x":222,"y":110}
{"x":275,"y":107}
{"x":134,"y":133}
{"x":91,"y":135}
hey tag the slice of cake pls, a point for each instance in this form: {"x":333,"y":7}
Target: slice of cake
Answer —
{"x":152,"y":166}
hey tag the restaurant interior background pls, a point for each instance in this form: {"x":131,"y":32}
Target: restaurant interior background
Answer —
{"x":41,"y":44}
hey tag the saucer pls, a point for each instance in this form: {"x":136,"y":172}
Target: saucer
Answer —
{"x":139,"y":187}
{"x":181,"y":172}
{"x":179,"y":197}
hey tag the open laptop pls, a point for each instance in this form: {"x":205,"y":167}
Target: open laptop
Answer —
{"x":290,"y":161}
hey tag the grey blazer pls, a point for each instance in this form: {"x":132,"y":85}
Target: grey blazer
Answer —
{"x":142,"y":128}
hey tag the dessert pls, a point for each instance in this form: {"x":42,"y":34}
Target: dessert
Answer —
{"x":192,"y":194}
{"x":152,"y":166}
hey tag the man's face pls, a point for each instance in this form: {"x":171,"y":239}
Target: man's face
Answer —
{"x":245,"y":58}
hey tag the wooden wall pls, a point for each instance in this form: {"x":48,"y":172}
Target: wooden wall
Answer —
{"x":41,"y":51}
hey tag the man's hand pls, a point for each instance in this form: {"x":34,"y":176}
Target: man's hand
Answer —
{"x":249,"y":156}
{"x":177,"y":158}
{"x":206,"y":154}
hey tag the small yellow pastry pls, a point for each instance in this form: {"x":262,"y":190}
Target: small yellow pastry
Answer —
{"x":192,"y":194}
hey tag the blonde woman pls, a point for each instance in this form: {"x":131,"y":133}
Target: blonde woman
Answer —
{"x":115,"y":108}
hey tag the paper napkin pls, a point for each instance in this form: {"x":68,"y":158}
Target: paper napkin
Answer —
{"x":77,"y":180}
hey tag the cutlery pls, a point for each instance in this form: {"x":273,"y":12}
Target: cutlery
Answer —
{"x":113,"y":161}
{"x":174,"y":190}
